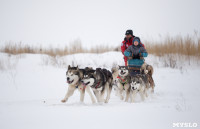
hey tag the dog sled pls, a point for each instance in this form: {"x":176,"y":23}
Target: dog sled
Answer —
{"x":135,"y":67}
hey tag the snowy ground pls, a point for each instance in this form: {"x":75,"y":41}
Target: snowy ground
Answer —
{"x":31,"y":87}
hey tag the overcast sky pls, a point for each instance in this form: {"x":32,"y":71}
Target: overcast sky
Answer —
{"x":57,"y":22}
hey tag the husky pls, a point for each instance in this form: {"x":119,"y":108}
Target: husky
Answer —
{"x":123,"y":82}
{"x":100,"y":80}
{"x":74,"y":76}
{"x":148,"y":70}
{"x":139,"y":85}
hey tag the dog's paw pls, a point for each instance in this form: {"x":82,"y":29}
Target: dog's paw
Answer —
{"x":122,"y":98}
{"x":63,"y":101}
{"x":93,"y":101}
{"x":146,"y":95}
{"x":146,"y":71}
{"x":100,"y":103}
{"x":81,"y":103}
{"x":105,"y":101}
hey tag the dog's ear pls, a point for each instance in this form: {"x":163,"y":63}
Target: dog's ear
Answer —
{"x":91,"y":74}
{"x":69,"y":66}
{"x":94,"y":74}
{"x":132,"y":77}
{"x":98,"y":69}
{"x":119,"y":67}
{"x":77,"y":67}
{"x":140,"y":80}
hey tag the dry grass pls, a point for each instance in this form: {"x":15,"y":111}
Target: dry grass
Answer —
{"x":17,"y":48}
{"x":73,"y":48}
{"x":189,"y":46}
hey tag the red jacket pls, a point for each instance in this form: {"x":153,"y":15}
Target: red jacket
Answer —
{"x":126,"y":43}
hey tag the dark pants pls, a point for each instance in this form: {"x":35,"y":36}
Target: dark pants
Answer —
{"x":134,"y":72}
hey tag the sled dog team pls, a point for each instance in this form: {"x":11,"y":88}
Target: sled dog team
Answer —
{"x":102,"y":81}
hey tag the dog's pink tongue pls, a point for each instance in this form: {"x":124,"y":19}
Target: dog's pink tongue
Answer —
{"x":84,"y":84}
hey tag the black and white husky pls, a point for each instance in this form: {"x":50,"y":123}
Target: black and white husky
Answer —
{"x":123,"y":82}
{"x":74,"y":76}
{"x":100,"y":80}
{"x":139,"y":84}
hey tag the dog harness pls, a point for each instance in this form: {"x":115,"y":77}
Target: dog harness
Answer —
{"x":122,"y":81}
{"x":96,"y":84}
{"x":103,"y":80}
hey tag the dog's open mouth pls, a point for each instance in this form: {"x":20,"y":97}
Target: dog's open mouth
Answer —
{"x":70,"y":81}
{"x":134,"y":88}
{"x":122,"y":73}
{"x":85,"y":84}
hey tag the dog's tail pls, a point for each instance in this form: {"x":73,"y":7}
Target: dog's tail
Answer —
{"x":150,"y":70}
{"x":113,"y":70}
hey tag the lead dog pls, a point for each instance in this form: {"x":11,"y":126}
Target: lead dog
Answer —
{"x":100,"y":80}
{"x":123,"y":82}
{"x":74,"y":77}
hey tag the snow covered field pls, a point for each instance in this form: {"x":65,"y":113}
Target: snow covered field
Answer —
{"x":31,"y":87}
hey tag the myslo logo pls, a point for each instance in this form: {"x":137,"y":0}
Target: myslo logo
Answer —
{"x":184,"y":124}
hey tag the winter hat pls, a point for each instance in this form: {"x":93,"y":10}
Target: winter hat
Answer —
{"x":129,"y":32}
{"x":136,"y":39}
